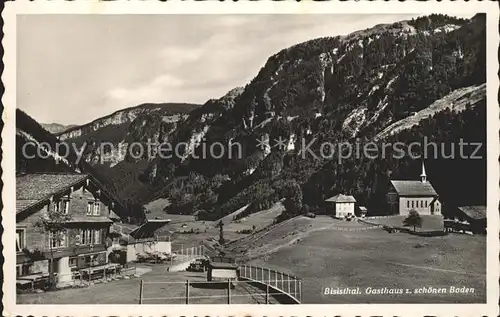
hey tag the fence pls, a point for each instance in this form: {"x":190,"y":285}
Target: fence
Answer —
{"x":192,"y":251}
{"x":285,"y":283}
{"x":152,"y":239}
{"x":205,"y":292}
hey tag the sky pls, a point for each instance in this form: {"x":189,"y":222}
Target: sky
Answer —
{"x":72,"y":69}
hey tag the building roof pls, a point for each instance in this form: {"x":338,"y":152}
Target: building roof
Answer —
{"x":413,"y":188}
{"x":474,"y":212}
{"x":41,"y":186}
{"x":223,"y":265}
{"x":113,"y":215}
{"x":147,"y":229}
{"x":22,"y":204}
{"x":34,"y":188}
{"x":340,"y":198}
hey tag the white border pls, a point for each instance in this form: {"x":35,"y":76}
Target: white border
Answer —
{"x":212,"y":7}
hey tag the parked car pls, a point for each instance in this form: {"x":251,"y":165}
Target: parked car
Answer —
{"x":310,"y":214}
{"x":198,"y":266}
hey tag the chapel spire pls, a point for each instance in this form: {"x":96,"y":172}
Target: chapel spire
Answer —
{"x":423,"y":176}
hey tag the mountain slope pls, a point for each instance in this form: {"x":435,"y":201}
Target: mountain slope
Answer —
{"x":37,"y":151}
{"x":457,"y":101}
{"x":105,"y":142}
{"x":56,"y":128}
{"x":353,"y":89}
{"x":30,"y":137}
{"x":335,"y":90}
{"x":124,"y":117}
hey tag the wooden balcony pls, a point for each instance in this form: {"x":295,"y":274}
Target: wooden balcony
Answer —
{"x":43,"y":253}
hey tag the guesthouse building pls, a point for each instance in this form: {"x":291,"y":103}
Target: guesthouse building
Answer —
{"x":80,"y":244}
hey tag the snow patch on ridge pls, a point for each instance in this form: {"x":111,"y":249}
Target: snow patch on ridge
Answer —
{"x":194,"y":141}
{"x":355,"y":120}
{"x":456,"y":100}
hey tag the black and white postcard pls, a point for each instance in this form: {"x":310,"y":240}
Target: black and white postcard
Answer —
{"x":197,"y":158}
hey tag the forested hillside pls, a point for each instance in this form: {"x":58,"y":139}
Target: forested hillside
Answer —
{"x":39,"y":151}
{"x":402,"y":82}
{"x":149,"y":122}
{"x":339,"y":89}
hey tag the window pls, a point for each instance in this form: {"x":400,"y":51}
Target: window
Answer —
{"x":412,"y":204}
{"x":57,"y":239}
{"x":65,"y":206}
{"x":426,"y":204}
{"x":407,"y":204}
{"x":73,"y":261}
{"x":62,"y":206}
{"x":20,"y":239}
{"x":85,"y":236}
{"x":93,"y":208}
{"x":24,"y":269}
{"x":90,"y":236}
{"x":91,"y":260}
{"x":90,"y":208}
{"x":97,"y":236}
{"x":97,"y":209}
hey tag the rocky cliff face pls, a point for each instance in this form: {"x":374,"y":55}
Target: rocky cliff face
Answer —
{"x":345,"y":87}
{"x":147,"y":122}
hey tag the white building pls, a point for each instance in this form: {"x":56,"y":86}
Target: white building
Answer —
{"x":406,"y":195}
{"x":343,"y":205}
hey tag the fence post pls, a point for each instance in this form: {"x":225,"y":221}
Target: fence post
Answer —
{"x":141,"y":290}
{"x":268,"y":276}
{"x":262,"y":274}
{"x":295,"y":287}
{"x":288,"y":284}
{"x":250,"y":275}
{"x":267,"y":293}
{"x":300,"y":291}
{"x":276,"y":279}
{"x":228,"y":291}
{"x":187,"y":292}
